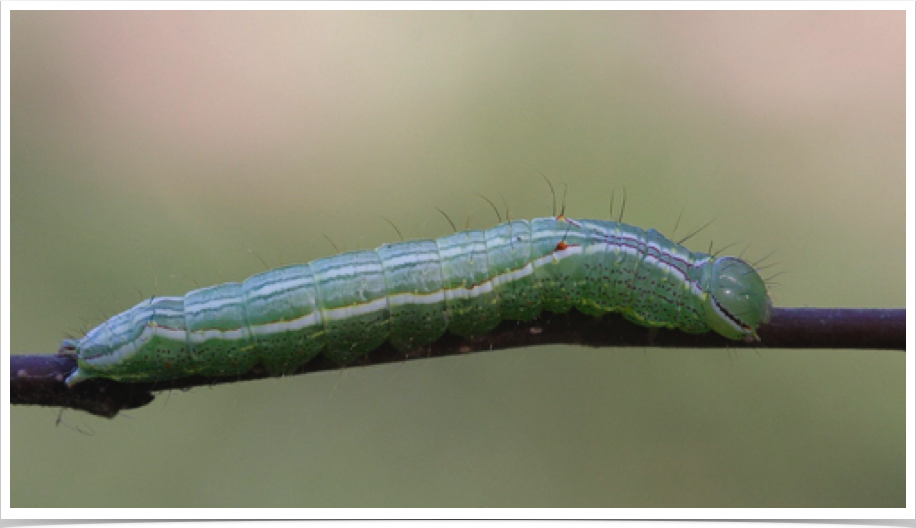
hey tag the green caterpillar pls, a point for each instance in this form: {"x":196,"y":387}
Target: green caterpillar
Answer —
{"x":410,"y":293}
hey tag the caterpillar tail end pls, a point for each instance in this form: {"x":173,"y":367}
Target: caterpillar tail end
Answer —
{"x":70,"y":347}
{"x":76,"y":377}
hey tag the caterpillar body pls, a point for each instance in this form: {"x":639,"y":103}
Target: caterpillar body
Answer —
{"x":411,"y":293}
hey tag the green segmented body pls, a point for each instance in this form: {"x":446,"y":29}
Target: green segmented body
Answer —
{"x":410,"y":293}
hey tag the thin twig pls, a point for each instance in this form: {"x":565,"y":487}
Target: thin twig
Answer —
{"x":38,"y":380}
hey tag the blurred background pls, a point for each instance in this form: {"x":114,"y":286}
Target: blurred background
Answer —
{"x":158,"y":152}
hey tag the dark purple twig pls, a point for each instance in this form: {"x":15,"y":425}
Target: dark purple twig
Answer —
{"x":38,"y":380}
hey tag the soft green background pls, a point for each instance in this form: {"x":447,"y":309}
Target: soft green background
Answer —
{"x":153,"y":153}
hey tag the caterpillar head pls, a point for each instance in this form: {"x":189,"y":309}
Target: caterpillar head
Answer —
{"x":738,"y":302}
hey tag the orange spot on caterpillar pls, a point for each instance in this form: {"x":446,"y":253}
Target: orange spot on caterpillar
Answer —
{"x":561,"y":245}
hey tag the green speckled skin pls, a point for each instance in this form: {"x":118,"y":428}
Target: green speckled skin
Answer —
{"x":411,"y":293}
